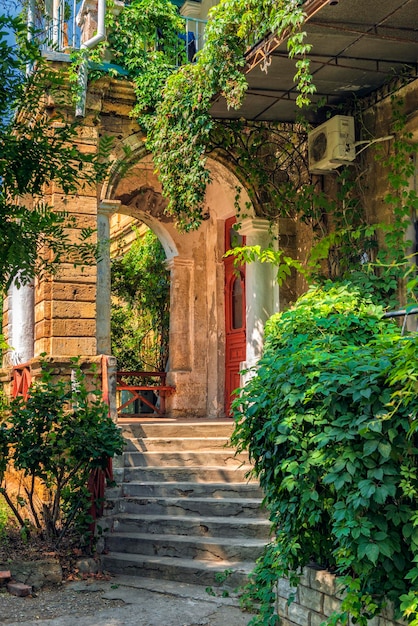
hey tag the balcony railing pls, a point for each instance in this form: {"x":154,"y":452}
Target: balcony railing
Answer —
{"x":63,"y":27}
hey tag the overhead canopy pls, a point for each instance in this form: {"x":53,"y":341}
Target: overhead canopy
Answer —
{"x":357,"y":47}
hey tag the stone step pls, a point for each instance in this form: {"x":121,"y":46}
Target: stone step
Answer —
{"x":183,"y":458}
{"x":190,"y":525}
{"x":187,"y":547}
{"x":248,"y":507}
{"x":185,"y":508}
{"x":153,"y":444}
{"x":186,"y":570}
{"x":187,"y":474}
{"x":187,"y":489}
{"x":183,"y":429}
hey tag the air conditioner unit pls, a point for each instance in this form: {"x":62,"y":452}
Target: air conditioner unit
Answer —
{"x":331,"y":144}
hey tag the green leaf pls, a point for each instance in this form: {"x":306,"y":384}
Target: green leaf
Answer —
{"x":385,"y":449}
{"x":370,"y":446}
{"x":372,"y":552}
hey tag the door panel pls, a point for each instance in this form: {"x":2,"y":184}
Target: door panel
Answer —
{"x":235,"y":327}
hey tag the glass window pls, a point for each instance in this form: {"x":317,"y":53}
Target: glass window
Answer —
{"x":237,"y":303}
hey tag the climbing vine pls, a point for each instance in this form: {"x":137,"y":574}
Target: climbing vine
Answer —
{"x":330,"y":425}
{"x":173,"y":103}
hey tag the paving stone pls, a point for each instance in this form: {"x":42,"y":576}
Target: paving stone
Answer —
{"x":19,"y":589}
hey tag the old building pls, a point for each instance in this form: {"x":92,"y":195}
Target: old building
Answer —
{"x":216,"y":314}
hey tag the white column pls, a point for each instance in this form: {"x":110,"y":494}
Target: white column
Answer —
{"x":261,"y":289}
{"x":21,"y":316}
{"x":103,"y":301}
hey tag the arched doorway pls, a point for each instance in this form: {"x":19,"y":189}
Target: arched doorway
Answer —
{"x":235,"y":315}
{"x":140,"y":296}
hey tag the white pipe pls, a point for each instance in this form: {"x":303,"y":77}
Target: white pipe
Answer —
{"x":55,"y":22}
{"x":101,"y":28}
{"x":21,"y":322}
{"x":74,"y":23}
{"x":30,"y":26}
{"x":88,"y":45}
{"x":31,"y":19}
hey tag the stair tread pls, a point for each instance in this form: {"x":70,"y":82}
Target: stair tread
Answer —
{"x":189,"y":499}
{"x":174,"y":438}
{"x":190,"y":483}
{"x":216,"y":451}
{"x":191,"y":467}
{"x":246,"y":566}
{"x":190,"y":518}
{"x":249,"y":541}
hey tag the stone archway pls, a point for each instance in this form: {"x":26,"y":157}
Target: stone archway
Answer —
{"x":197,"y":298}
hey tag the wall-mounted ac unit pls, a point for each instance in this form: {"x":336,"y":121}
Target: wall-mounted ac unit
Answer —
{"x":331,"y":144}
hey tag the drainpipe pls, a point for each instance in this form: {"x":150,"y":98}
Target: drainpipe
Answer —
{"x":30,"y":24}
{"x":56,"y":26}
{"x":30,"y":19}
{"x":88,"y":45}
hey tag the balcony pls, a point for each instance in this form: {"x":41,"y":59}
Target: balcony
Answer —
{"x":63,"y":28}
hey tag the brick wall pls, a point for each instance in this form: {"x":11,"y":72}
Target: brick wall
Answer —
{"x":316,"y":598}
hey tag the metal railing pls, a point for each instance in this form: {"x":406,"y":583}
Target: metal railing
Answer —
{"x":21,"y":380}
{"x":57,"y":28}
{"x":407,"y":314}
{"x":60,"y":29}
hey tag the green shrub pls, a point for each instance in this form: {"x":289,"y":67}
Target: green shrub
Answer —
{"x":56,"y":438}
{"x":329,"y":423}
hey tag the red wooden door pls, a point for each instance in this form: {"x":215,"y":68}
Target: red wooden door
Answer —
{"x":235,"y":326}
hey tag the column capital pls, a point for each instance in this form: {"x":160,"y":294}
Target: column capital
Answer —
{"x":191,"y":8}
{"x":108,"y":207}
{"x":254,"y":226}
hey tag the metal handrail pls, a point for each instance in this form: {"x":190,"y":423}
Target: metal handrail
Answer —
{"x":405,"y":313}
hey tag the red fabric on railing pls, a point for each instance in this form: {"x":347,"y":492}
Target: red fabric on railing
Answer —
{"x":98,"y":477}
{"x":22,"y":380}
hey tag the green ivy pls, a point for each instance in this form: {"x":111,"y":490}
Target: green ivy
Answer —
{"x":173,"y":107}
{"x":173,"y":103}
{"x":330,"y":420}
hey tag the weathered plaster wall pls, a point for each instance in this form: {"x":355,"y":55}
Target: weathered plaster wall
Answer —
{"x":375,"y":120}
{"x":378,"y":121}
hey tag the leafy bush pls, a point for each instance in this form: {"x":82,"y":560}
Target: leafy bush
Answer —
{"x":140,"y":306}
{"x":329,"y":423}
{"x":56,"y":438}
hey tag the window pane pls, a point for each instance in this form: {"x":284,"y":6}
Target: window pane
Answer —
{"x":237,"y":303}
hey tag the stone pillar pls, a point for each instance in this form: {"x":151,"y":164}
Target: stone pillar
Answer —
{"x":21,"y":322}
{"x":261,"y":289}
{"x":191,"y":8}
{"x":103,"y":303}
{"x":181,"y":314}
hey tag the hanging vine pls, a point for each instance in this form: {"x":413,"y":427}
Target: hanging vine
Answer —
{"x":173,"y":103}
{"x":173,"y":107}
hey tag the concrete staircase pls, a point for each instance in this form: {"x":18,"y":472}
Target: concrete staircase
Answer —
{"x":183,"y":509}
